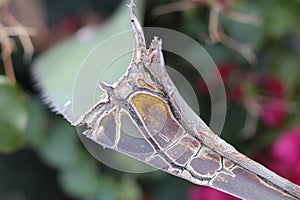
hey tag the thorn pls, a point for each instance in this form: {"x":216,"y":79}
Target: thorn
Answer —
{"x":132,"y":8}
{"x":156,"y":43}
{"x":106,"y":87}
{"x":140,"y":44}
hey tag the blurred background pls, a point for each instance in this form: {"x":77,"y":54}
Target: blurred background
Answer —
{"x":255,"y":44}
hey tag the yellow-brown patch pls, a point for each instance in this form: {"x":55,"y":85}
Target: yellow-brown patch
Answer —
{"x":143,"y":102}
{"x":158,"y":118}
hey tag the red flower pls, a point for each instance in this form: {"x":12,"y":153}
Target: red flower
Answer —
{"x":273,"y":87}
{"x":274,"y":112}
{"x":236,"y":94}
{"x":207,"y":193}
{"x":227,"y":71}
{"x":285,"y":155}
{"x":68,"y":26}
{"x":274,"y":108}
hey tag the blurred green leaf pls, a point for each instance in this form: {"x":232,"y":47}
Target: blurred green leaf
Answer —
{"x":11,"y":138}
{"x":280,"y":20}
{"x":287,"y":68}
{"x":170,"y":188}
{"x":293,"y":120}
{"x":37,"y":124}
{"x":250,"y":89}
{"x":13,"y":118}
{"x":128,"y":189}
{"x":82,"y":181}
{"x":61,"y":149}
{"x":85,"y":182}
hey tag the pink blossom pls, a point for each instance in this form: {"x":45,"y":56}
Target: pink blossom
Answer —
{"x":68,"y":26}
{"x":227,"y":70}
{"x":284,"y":155}
{"x":236,"y":94}
{"x":273,"y":87}
{"x":274,"y":112}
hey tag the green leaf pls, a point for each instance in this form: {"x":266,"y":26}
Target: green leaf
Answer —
{"x":11,"y":138}
{"x":128,"y":189}
{"x":61,"y":149}
{"x":286,"y":67}
{"x":170,"y":188}
{"x":13,"y":118}
{"x":85,"y":182}
{"x":36,"y":126}
{"x":280,"y":20}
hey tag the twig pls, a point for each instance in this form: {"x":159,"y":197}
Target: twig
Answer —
{"x":213,"y":24}
{"x":244,"y":49}
{"x":7,"y":61}
{"x":6,"y":50}
{"x":243,"y":18}
{"x":250,"y":126}
{"x":9,"y":69}
{"x":216,"y":34}
{"x":17,"y":30}
{"x":171,"y":7}
{"x":10,"y":26}
{"x":253,"y":109}
{"x":24,"y":37}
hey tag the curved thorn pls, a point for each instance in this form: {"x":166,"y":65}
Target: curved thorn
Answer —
{"x":105,"y":87}
{"x":139,"y":39}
